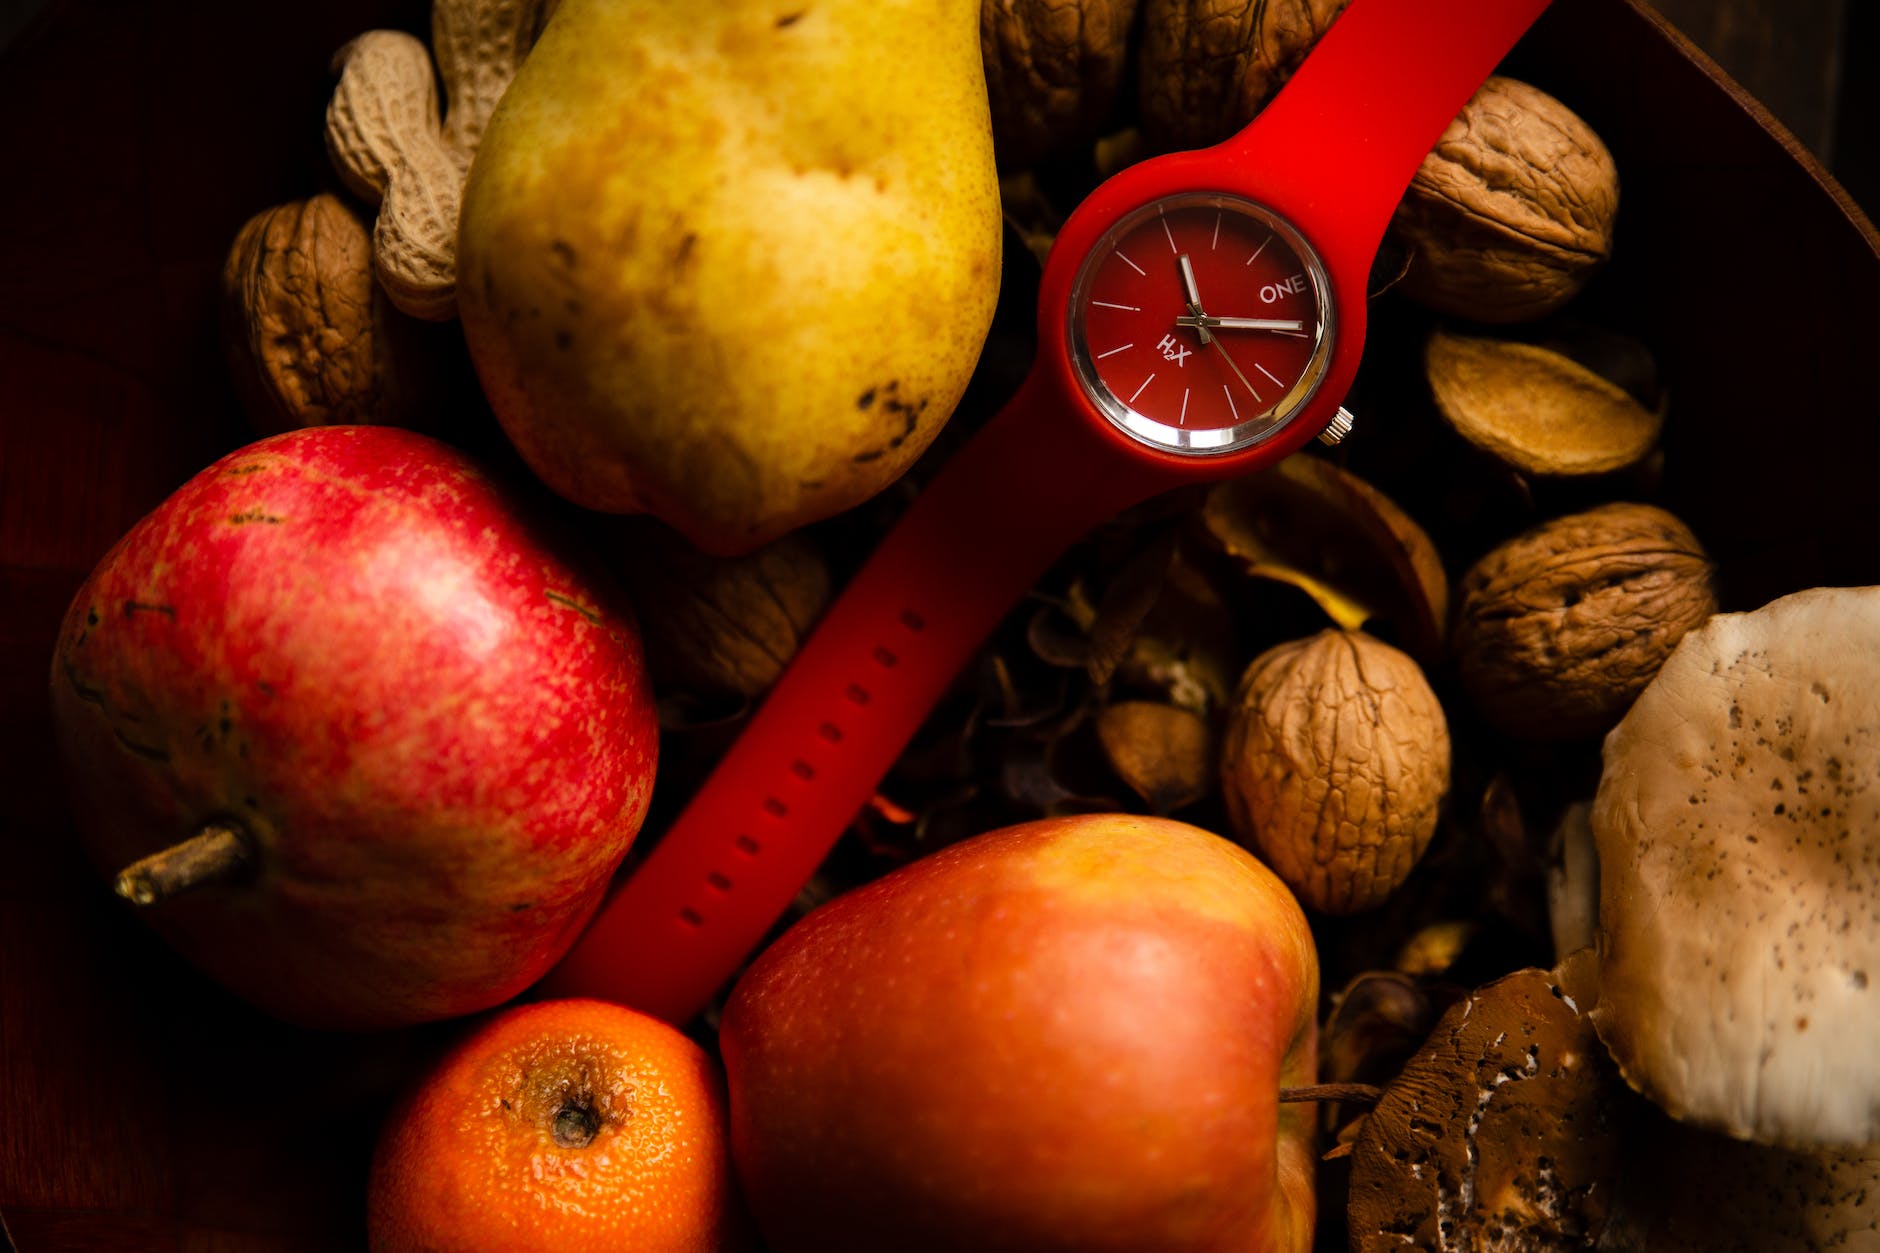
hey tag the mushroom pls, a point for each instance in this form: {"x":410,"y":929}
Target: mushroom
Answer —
{"x":1738,"y":829}
{"x":1686,"y":1190}
{"x":1506,"y":1131}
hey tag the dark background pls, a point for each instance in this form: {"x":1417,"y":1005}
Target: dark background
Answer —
{"x":1812,"y":63}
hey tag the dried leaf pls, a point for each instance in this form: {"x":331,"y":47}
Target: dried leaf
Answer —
{"x":1053,"y":769}
{"x":1188,"y":651}
{"x":1435,"y":948}
{"x":1377,"y":1021}
{"x":1534,"y":408}
{"x":1338,"y":539}
{"x":1056,"y":640}
{"x":1504,"y":1132}
{"x":1125,"y":606}
{"x":1025,"y":704}
{"x":1165,"y":754}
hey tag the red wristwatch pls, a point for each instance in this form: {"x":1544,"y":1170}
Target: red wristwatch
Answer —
{"x":1201,"y":316}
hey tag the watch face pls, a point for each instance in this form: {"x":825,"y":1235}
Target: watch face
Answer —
{"x":1201,"y":323}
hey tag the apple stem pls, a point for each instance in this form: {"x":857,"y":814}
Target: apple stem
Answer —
{"x":1356,"y":1093}
{"x":218,"y":851}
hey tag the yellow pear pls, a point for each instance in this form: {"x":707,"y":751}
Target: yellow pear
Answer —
{"x":731,"y":263}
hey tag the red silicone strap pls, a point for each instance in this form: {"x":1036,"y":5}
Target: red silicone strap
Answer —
{"x":964,"y":552}
{"x":1333,"y":152}
{"x":1364,"y":109}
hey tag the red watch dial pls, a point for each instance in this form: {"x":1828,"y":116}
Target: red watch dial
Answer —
{"x":1200,"y":323}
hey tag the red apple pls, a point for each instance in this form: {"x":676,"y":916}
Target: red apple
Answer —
{"x":1065,"y":1035}
{"x":362,"y":745}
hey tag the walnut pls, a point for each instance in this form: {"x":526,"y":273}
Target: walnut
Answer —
{"x":720,"y":627}
{"x":1335,"y":766}
{"x":1558,"y":629}
{"x":1053,"y":69}
{"x":1512,"y":212}
{"x":311,"y":340}
{"x":1207,"y":66}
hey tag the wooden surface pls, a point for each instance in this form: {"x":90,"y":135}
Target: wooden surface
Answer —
{"x":140,"y":1108}
{"x":1787,"y":55}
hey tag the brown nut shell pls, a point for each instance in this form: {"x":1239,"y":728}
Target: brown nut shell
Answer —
{"x":1053,"y":71}
{"x":1559,"y":629}
{"x":1335,"y":765}
{"x":310,"y":339}
{"x":1163,"y":752}
{"x":1535,"y":409}
{"x":1206,"y":67}
{"x":1512,"y":212}
{"x":720,"y":627}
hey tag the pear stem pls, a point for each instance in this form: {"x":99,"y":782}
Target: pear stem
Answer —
{"x":218,"y":851}
{"x":1356,"y":1093}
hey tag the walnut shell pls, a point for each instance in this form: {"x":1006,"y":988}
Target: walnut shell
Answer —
{"x":1335,"y":765}
{"x":1512,"y":212}
{"x":1207,"y":66}
{"x":1559,"y":629}
{"x":311,"y":340}
{"x":1536,"y":409}
{"x":1053,"y":70}
{"x":720,"y":627}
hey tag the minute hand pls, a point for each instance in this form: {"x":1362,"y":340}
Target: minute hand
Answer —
{"x":1205,"y":322}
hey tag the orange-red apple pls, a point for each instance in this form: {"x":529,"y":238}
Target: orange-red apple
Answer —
{"x":1065,"y":1035}
{"x":364,"y":744}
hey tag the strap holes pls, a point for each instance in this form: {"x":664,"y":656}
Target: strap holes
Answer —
{"x":691,"y":917}
{"x":884,"y":658}
{"x":775,"y":808}
{"x":802,"y":770}
{"x":913,"y":621}
{"x":719,"y":881}
{"x":830,"y":732}
{"x":857,"y":694}
{"x":748,"y":846}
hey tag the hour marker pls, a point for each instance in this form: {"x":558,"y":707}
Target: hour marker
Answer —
{"x":1260,"y":249}
{"x":1212,"y":243}
{"x":1166,"y":231}
{"x":1230,"y":402}
{"x":1138,"y":391}
{"x":1113,"y":351}
{"x":1132,"y":265}
{"x":1107,"y":305}
{"x":1183,"y":419}
{"x":1262,"y":369}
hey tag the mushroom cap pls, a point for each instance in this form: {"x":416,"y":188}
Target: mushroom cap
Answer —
{"x":1738,"y":827}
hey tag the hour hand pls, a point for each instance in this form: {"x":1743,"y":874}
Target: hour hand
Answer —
{"x":1196,"y":320}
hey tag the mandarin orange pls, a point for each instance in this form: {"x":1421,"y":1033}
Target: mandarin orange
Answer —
{"x":560,"y":1125}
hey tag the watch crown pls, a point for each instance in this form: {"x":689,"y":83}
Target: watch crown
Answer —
{"x":1339,"y":427}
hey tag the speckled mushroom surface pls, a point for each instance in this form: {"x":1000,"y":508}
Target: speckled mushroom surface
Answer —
{"x":1738,"y":825}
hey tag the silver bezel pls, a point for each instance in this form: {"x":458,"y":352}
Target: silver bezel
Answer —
{"x":1254,"y":430}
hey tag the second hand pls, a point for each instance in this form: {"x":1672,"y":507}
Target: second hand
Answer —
{"x":1215,"y":340}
